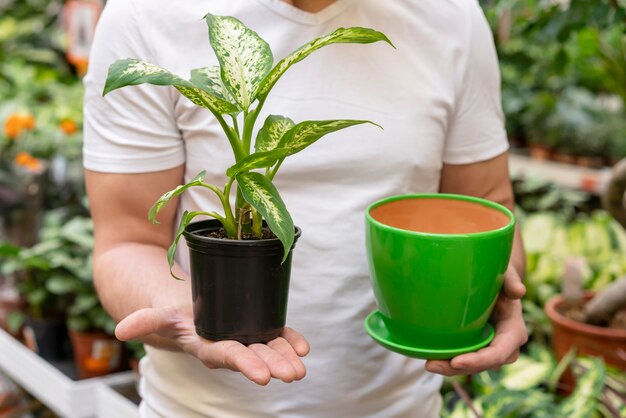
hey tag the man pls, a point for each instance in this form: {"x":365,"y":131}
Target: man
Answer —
{"x":437,"y":97}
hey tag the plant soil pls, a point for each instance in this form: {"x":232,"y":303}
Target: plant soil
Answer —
{"x":575,"y":313}
{"x":221,"y":234}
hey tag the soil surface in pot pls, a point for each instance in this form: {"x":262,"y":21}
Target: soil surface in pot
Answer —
{"x":575,"y":313}
{"x":221,"y":234}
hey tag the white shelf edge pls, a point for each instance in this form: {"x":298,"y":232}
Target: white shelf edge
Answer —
{"x":66,"y":397}
{"x":110,"y":403}
{"x":571,"y":176}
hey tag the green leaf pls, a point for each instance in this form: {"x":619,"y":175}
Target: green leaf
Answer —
{"x":305,"y":133}
{"x":184,"y":221}
{"x":259,"y":192}
{"x":132,"y":72}
{"x":60,"y":285}
{"x":209,"y":80}
{"x":342,"y":35}
{"x":84,"y":303}
{"x":584,"y":400}
{"x":272,"y":132}
{"x":37,"y":297}
{"x":165,"y":199}
{"x":245,"y":59}
{"x":15,"y":320}
{"x":8,"y":250}
{"x":77,"y":323}
{"x":79,"y":231}
{"x":257,"y":160}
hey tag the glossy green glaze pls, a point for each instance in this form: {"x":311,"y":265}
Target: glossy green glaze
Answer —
{"x":435,"y":292}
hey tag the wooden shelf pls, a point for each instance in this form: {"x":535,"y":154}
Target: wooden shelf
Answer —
{"x":588,"y":179}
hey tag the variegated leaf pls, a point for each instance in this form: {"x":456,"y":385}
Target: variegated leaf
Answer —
{"x":257,"y":160}
{"x":132,"y":72}
{"x":259,"y":192}
{"x":272,"y":132}
{"x":209,"y":80}
{"x":342,"y":35}
{"x":245,"y":59}
{"x":171,"y":252}
{"x":305,"y":133}
{"x":165,"y":199}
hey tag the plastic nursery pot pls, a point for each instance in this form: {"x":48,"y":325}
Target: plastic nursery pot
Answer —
{"x":239,"y":287}
{"x":47,"y":337}
{"x":437,"y":264}
{"x":591,"y":340}
{"x":96,"y":354}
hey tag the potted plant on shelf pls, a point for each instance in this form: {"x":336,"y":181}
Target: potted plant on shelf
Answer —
{"x":42,"y":274}
{"x":91,"y":330}
{"x":245,"y":251}
{"x":591,"y":323}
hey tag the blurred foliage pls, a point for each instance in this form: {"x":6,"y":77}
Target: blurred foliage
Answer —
{"x":40,"y":112}
{"x":529,"y":388}
{"x":56,"y":274}
{"x":563,"y":67}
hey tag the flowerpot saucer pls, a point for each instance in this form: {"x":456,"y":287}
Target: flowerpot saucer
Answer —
{"x":375,"y":327}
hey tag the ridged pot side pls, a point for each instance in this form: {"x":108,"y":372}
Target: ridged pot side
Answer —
{"x":240,"y":288}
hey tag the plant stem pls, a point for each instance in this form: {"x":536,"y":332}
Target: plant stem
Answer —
{"x":248,"y":124}
{"x":275,"y":170}
{"x":235,"y":124}
{"x":233,"y":138}
{"x":468,"y":401}
{"x":230,"y":224}
{"x":257,"y":223}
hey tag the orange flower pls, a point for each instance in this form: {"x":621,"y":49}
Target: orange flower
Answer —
{"x":16,"y":123}
{"x":32,"y":164}
{"x":68,"y":127}
{"x":28,"y":122}
{"x":13,"y":126}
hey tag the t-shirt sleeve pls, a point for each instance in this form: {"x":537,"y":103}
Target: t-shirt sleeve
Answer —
{"x":476,"y":131}
{"x":133,"y":129}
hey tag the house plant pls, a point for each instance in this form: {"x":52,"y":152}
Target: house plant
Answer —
{"x":42,"y":274}
{"x":91,"y":330}
{"x":248,"y":245}
{"x":594,"y":322}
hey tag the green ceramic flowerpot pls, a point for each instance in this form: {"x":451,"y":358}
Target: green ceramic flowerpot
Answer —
{"x":437,"y":264}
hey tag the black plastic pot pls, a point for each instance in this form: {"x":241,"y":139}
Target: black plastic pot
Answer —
{"x":239,"y":287}
{"x":47,"y":337}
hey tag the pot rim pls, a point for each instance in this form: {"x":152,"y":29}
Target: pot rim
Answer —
{"x":214,"y":223}
{"x":449,"y":196}
{"x":551,"y":309}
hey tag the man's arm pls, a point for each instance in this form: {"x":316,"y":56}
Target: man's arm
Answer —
{"x":132,"y":278}
{"x":490,"y":180}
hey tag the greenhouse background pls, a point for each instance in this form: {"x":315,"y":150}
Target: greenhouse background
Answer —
{"x":563,"y":72}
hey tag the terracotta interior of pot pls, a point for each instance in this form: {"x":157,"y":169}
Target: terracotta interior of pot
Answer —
{"x":439,"y":216}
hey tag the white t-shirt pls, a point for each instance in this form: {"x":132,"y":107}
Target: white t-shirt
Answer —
{"x":437,"y":97}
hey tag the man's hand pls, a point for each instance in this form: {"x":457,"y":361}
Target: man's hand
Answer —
{"x":279,"y":358}
{"x":510,"y":334}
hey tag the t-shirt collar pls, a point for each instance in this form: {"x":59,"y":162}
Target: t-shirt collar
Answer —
{"x":300,"y":16}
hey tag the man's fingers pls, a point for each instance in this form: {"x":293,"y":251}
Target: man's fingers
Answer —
{"x":142,"y":323}
{"x":279,"y":366}
{"x":234,"y":356}
{"x":297,"y":341}
{"x":283,"y":347}
{"x":513,"y":288}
